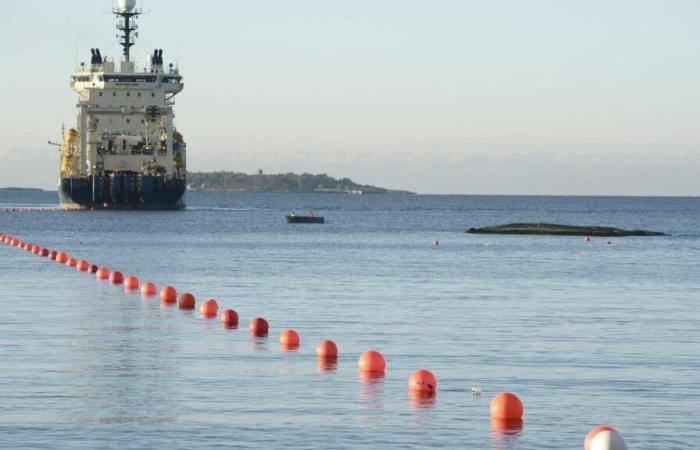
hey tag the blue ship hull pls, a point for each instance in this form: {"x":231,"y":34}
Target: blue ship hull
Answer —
{"x":124,"y":191}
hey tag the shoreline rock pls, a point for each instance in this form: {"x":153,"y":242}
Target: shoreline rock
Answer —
{"x":552,"y":229}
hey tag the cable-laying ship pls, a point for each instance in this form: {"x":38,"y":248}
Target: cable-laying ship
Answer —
{"x":125,"y":152}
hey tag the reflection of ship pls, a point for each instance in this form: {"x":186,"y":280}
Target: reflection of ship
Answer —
{"x":125,"y":151}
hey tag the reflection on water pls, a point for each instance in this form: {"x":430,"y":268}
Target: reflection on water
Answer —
{"x":285,"y":348}
{"x":327,"y":363}
{"x":228,"y":326}
{"x":505,"y":433}
{"x":259,"y":343}
{"x":421,"y":400}
{"x":371,"y":389}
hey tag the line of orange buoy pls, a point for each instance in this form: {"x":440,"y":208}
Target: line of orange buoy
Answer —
{"x":506,"y":409}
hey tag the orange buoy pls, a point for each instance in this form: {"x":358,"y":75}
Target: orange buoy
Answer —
{"x":259,"y":326}
{"x":229,"y":317}
{"x":131,"y":283}
{"x":587,"y":239}
{"x":209,"y":308}
{"x":506,"y":406}
{"x":168,"y":294}
{"x":93,"y":268}
{"x":72,"y":262}
{"x":186,"y":301}
{"x":45,"y":252}
{"x":372,"y":361}
{"x":36,"y":250}
{"x":102,"y":273}
{"x":116,"y":277}
{"x":290,"y":338}
{"x":62,"y":257}
{"x":604,"y":438}
{"x":52,"y":255}
{"x":422,"y":381}
{"x":148,"y":289}
{"x":327,"y":349}
{"x":83,"y":266}
{"x":105,"y":205}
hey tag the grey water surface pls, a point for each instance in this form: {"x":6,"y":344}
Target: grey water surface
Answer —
{"x":594,"y":333}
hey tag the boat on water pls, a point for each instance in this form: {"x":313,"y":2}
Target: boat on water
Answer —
{"x":125,"y":151}
{"x":311,"y":218}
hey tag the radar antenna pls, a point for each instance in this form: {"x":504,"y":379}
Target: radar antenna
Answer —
{"x":127,"y":13}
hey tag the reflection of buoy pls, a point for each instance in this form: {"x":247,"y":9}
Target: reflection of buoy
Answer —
{"x":186,"y":301}
{"x":372,"y":361}
{"x":506,"y":429}
{"x":259,"y":326}
{"x":290,"y":338}
{"x":209,"y":308}
{"x":422,"y":381}
{"x":506,"y":406}
{"x":327,"y":349}
{"x":604,"y":438}
{"x":131,"y":283}
{"x":229,"y":316}
{"x":102,"y":273}
{"x":116,"y":277}
{"x":168,"y":294}
{"x":148,"y":289}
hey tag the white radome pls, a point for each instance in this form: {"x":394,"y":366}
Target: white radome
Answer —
{"x":127,"y":5}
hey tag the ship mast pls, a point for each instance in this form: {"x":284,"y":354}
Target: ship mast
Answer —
{"x":128,"y":13}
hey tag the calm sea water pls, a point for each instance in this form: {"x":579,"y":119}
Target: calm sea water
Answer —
{"x":584,"y":333}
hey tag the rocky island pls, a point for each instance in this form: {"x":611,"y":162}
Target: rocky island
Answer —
{"x":560,"y":230}
{"x":279,"y":183}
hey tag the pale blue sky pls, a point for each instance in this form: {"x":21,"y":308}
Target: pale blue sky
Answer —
{"x":510,"y":96}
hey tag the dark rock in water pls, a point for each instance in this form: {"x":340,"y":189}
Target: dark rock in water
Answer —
{"x":560,"y":230}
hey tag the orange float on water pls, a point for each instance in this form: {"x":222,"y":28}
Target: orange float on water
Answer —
{"x":62,"y":257}
{"x":604,"y":438}
{"x":327,"y":349}
{"x":52,"y":255}
{"x":186,"y":301}
{"x":422,"y":381}
{"x":148,"y":289}
{"x":259,"y":326}
{"x":36,"y":250}
{"x":229,"y":317}
{"x":131,"y":283}
{"x":209,"y":308}
{"x":72,"y":262}
{"x":506,"y":406}
{"x":83,"y":266}
{"x":290,"y":338}
{"x":93,"y":268}
{"x":168,"y":294}
{"x":372,"y":361}
{"x":45,"y":252}
{"x":102,"y":273}
{"x":116,"y":277}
